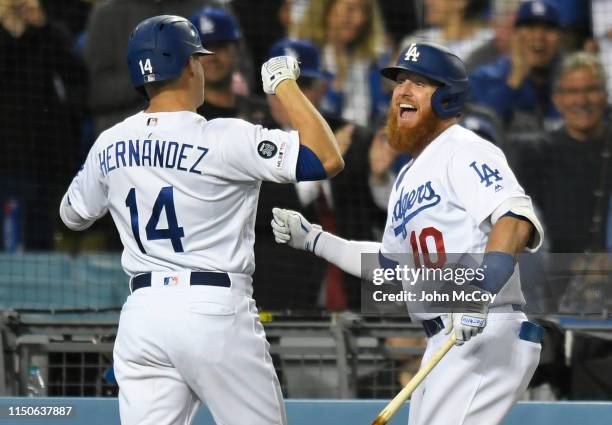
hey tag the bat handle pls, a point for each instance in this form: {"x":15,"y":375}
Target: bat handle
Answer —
{"x":395,"y":404}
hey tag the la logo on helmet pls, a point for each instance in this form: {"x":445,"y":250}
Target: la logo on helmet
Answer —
{"x":412,"y":53}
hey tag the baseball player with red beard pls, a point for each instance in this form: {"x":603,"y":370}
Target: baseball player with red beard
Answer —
{"x":457,"y":195}
{"x":183,"y":193}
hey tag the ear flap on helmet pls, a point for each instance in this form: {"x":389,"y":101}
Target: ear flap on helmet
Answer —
{"x":447,"y":101}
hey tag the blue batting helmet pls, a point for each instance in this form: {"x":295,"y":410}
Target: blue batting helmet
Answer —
{"x":440,"y":65}
{"x":159,"y":48}
{"x":215,"y":25}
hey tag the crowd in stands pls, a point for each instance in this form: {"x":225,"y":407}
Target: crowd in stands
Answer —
{"x":538,"y":77}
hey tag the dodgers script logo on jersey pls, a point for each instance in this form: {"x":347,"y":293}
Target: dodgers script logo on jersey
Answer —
{"x":411,"y":203}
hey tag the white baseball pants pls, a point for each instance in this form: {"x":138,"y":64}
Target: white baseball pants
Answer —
{"x":181,"y":345}
{"x":476,"y":383}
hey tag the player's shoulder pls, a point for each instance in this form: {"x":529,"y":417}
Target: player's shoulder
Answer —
{"x":228,"y":124}
{"x":466,"y":143}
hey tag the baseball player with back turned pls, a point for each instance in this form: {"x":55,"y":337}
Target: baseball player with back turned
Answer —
{"x":183,"y":192}
{"x":457,"y":195}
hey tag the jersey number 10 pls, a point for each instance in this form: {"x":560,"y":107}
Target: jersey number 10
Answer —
{"x":428,"y":233}
{"x":165,"y":200}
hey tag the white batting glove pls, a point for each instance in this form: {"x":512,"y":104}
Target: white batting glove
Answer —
{"x":467,"y":324}
{"x":277,"y":69}
{"x":292,"y":228}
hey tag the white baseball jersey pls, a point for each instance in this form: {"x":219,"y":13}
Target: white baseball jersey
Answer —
{"x":183,"y":199}
{"x":442,"y":202}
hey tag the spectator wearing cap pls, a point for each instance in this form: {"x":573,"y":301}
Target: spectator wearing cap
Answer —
{"x":226,"y":88}
{"x":501,"y":20}
{"x":344,"y":203}
{"x":517,"y":86}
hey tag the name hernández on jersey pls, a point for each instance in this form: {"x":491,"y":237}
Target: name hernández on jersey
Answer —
{"x":151,"y":153}
{"x":421,"y":198}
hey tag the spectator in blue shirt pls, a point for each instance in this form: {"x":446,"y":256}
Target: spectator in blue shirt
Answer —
{"x":517,"y":86}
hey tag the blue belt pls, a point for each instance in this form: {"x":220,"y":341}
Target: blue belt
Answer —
{"x":196,"y":278}
{"x":433,"y":326}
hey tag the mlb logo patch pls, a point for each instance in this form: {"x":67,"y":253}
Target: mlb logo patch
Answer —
{"x":281,"y":156}
{"x":149,"y":78}
{"x":171,"y":280}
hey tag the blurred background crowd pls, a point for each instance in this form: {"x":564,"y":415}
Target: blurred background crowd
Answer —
{"x":539,"y":78}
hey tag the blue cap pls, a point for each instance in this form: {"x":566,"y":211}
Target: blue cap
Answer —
{"x":537,"y":12}
{"x":304,"y":51}
{"x":215,"y":25}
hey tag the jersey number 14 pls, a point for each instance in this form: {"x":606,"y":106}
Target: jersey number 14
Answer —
{"x":164,"y":201}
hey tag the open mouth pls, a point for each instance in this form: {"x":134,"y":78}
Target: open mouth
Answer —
{"x":538,"y":49}
{"x":406,"y":110}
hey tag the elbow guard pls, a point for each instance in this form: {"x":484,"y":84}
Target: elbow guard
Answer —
{"x":309,"y":166}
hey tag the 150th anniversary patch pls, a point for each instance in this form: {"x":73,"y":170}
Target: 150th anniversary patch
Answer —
{"x":266,"y":149}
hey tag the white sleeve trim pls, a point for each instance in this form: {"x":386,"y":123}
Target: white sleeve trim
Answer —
{"x":343,"y":253}
{"x":522,"y":206}
{"x":71,"y":218}
{"x":294,"y":151}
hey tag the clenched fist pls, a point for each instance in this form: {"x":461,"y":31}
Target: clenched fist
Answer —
{"x":292,"y":228}
{"x":277,"y":69}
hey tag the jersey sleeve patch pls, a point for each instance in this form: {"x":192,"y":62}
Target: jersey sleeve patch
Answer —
{"x":266,"y":149}
{"x":252,"y":152}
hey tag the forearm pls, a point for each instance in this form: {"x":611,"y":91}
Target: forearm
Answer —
{"x":313,"y":129}
{"x":509,"y":235}
{"x":344,"y":253}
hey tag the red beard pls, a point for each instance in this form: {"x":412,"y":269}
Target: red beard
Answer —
{"x":412,"y":140}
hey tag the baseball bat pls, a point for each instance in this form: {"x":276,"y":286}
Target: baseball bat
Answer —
{"x":395,"y":404}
